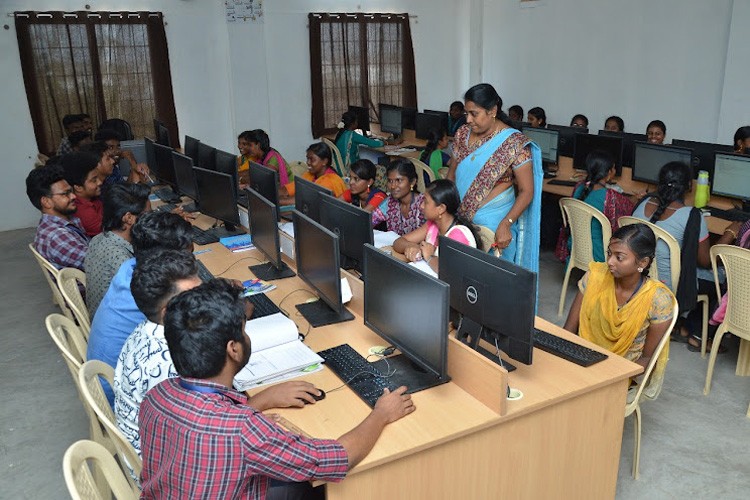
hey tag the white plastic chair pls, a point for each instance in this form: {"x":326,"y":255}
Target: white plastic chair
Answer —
{"x":422,"y":170}
{"x":338,"y":161}
{"x":68,"y":280}
{"x":51,"y":274}
{"x":78,"y":462}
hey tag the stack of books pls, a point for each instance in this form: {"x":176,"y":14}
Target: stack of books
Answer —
{"x":239,"y":243}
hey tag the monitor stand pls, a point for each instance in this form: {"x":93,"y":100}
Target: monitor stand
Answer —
{"x":470,"y":332}
{"x":227,"y":230}
{"x":319,"y":314}
{"x":408,"y":373}
{"x":191,"y":207}
{"x":269,"y":272}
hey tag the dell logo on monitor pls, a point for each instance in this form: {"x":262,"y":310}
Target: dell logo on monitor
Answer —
{"x":472,"y":295}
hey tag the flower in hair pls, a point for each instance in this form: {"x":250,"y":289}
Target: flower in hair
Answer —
{"x":340,"y":125}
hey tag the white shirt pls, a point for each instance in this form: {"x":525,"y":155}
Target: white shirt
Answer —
{"x":143,"y":363}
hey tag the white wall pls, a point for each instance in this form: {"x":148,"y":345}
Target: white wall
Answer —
{"x":735,"y":102}
{"x":638,"y":59}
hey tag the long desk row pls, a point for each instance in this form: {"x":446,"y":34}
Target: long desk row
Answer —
{"x":465,"y":440}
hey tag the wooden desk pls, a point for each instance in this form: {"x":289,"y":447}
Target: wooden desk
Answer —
{"x":635,"y":189}
{"x":568,"y":423}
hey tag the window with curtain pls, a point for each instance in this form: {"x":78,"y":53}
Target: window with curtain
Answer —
{"x":359,"y":60}
{"x":106,"y":64}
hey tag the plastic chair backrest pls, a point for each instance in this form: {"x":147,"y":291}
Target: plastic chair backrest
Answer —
{"x":675,"y":258}
{"x":51,"y":274}
{"x":78,"y":462}
{"x":338,"y":161}
{"x":120,"y":126}
{"x":297,"y":168}
{"x":68,"y":280}
{"x":422,"y":171}
{"x":577,"y":215}
{"x":94,"y":395}
{"x":737,"y":266}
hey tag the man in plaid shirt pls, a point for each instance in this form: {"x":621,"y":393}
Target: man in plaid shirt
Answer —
{"x":202,"y":439}
{"x":60,"y":238}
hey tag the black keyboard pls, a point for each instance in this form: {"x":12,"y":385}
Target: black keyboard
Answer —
{"x":562,"y":182}
{"x":166,"y":195}
{"x":733,"y":215}
{"x":263,"y":305}
{"x":354,"y":370}
{"x":203,"y":273}
{"x":201,"y":237}
{"x":167,"y":207}
{"x":566,"y":349}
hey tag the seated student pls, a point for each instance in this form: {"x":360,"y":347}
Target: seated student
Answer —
{"x":347,"y":141}
{"x":742,"y":140}
{"x":600,"y":170}
{"x":619,"y":308}
{"x":433,"y":154}
{"x":71,"y":123}
{"x":656,"y":132}
{"x":245,"y":157}
{"x":537,"y":117}
{"x":79,"y":139}
{"x":361,"y":193}
{"x":402,"y":209}
{"x":319,"y":172}
{"x":122,"y":205}
{"x":145,"y":361}
{"x":59,"y":238}
{"x":82,"y":174}
{"x":118,"y":314}
{"x":440,"y":208}
{"x":88,"y":123}
{"x":185,"y":421}
{"x":139,"y":172}
{"x":614,"y":124}
{"x":579,"y":121}
{"x":456,"y":117}
{"x":515,"y":113}
{"x":260,"y":148}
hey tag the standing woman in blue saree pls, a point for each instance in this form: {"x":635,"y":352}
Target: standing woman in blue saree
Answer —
{"x":498,"y":173}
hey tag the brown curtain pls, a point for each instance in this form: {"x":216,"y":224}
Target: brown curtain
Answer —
{"x":359,"y":60}
{"x":100,"y":63}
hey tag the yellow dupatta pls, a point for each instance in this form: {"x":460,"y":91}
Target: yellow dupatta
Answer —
{"x":615,"y":329}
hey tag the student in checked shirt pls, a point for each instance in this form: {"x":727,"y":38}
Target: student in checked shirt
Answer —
{"x":201,"y":439}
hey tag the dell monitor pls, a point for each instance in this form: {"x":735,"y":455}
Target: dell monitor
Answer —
{"x":317,"y":253}
{"x":425,"y":122}
{"x":307,"y":197}
{"x":390,"y":121}
{"x":163,"y":168}
{"x":191,"y":148}
{"x":408,"y":309}
{"x":547,"y":140}
{"x":226,"y":163}
{"x":265,"y":181}
{"x":649,"y":158}
{"x":585,"y":143}
{"x":351,"y":224}
{"x":566,"y":140}
{"x":206,"y":156}
{"x":183,"y":172}
{"x":218,"y":199}
{"x":704,"y":154}
{"x":265,"y":234}
{"x":628,"y":143}
{"x":732,"y":177}
{"x":408,"y":117}
{"x":496,"y":299}
{"x":363,"y":118}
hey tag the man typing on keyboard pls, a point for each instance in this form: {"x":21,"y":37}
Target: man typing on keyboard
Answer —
{"x":200,"y":438}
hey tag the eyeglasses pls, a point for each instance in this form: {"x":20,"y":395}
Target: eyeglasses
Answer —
{"x":64,"y":193}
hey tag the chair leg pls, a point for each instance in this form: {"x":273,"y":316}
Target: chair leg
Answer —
{"x":564,"y":288}
{"x":712,"y":358}
{"x":637,"y":443}
{"x":703,"y":299}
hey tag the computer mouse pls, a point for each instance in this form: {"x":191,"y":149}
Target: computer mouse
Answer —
{"x":316,"y":397}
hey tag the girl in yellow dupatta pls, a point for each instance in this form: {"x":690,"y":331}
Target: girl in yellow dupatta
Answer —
{"x":619,"y":308}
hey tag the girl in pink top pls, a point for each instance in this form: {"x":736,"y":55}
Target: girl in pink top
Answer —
{"x":440,"y":208}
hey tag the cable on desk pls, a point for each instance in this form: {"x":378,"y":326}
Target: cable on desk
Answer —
{"x":237,"y":262}
{"x":289,"y":294}
{"x":388,"y":374}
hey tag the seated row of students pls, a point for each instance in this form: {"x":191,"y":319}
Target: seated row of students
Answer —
{"x":255,"y":146}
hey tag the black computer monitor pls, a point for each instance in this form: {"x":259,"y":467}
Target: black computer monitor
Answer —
{"x":226,"y":163}
{"x":732,"y":177}
{"x":183,"y":172}
{"x":547,"y":140}
{"x":444,"y":115}
{"x":628,"y":143}
{"x":704,"y":154}
{"x":316,"y":250}
{"x":363,"y":118}
{"x":218,"y":199}
{"x":265,"y":181}
{"x":408,"y":118}
{"x":649,"y":158}
{"x":351,"y":224}
{"x":161,"y":132}
{"x":206,"y":156}
{"x":586,"y":143}
{"x":148,"y":145}
{"x":496,"y":298}
{"x":191,"y":148}
{"x":425,"y":122}
{"x":163,"y":169}
{"x":265,"y":234}
{"x":390,"y":120}
{"x":307,"y":197}
{"x":409,"y":310}
{"x":566,"y":142}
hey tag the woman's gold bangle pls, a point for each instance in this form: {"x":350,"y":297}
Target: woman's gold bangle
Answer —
{"x":728,"y":230}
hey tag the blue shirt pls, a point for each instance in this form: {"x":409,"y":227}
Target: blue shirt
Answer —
{"x":115,"y":319}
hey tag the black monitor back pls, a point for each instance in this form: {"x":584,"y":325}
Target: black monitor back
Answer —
{"x":351,"y":224}
{"x":566,"y":143}
{"x":226,"y":163}
{"x":183,"y":171}
{"x":206,"y":156}
{"x":363,"y":118}
{"x":148,"y":145}
{"x":161,"y":132}
{"x":217,"y":195}
{"x":191,"y":148}
{"x":425,"y":122}
{"x":265,"y":181}
{"x":265,"y":233}
{"x":704,"y":155}
{"x":586,"y":143}
{"x":164,"y":170}
{"x":628,"y":143}
{"x":408,"y":118}
{"x":307,"y":197}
